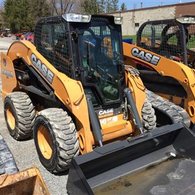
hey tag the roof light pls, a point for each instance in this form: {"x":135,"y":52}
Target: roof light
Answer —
{"x":71,"y":17}
{"x":118,"y":20}
{"x":186,"y":20}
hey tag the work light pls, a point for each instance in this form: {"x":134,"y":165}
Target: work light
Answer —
{"x":71,"y":17}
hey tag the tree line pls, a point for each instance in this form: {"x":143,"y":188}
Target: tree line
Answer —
{"x":22,"y":14}
{"x":102,"y":6}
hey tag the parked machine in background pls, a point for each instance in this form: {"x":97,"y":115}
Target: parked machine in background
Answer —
{"x":165,"y":56}
{"x":5,"y":33}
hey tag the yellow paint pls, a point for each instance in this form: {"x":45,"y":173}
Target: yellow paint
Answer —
{"x":71,"y":94}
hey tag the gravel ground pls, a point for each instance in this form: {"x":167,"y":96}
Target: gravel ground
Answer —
{"x":24,"y":152}
{"x":5,"y":42}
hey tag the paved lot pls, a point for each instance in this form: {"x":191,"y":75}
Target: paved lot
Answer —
{"x":24,"y":152}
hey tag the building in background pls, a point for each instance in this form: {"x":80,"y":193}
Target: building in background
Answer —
{"x":133,"y":19}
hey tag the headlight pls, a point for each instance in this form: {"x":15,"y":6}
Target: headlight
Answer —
{"x":118,"y":20}
{"x":71,"y":17}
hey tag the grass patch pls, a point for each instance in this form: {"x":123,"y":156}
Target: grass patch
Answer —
{"x":191,"y":42}
{"x":134,"y":37}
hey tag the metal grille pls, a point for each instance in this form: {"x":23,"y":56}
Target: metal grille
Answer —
{"x":52,"y":43}
{"x":46,"y":46}
{"x":162,"y":39}
{"x":190,"y":37}
{"x":170,"y":39}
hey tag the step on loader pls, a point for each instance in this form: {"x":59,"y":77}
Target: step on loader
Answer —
{"x":165,"y":57}
{"x":72,"y":91}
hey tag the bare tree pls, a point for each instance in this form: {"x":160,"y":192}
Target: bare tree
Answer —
{"x":59,"y":7}
{"x":99,"y":6}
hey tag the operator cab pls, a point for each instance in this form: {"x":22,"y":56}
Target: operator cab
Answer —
{"x":174,"y":38}
{"x":86,"y":48}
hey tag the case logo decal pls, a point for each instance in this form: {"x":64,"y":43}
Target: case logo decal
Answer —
{"x":48,"y":74}
{"x":148,"y":57}
{"x":106,"y":112}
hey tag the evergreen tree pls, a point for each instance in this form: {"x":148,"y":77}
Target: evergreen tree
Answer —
{"x":23,"y":14}
{"x":123,"y":7}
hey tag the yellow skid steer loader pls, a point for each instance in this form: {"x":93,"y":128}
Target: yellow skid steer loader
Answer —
{"x":72,"y":91}
{"x":165,"y":57}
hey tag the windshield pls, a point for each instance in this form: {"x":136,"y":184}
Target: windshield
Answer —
{"x":100,"y":53}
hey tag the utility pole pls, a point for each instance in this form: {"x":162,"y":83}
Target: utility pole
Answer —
{"x":141,"y":4}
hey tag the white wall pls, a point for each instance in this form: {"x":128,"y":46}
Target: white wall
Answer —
{"x":141,"y":16}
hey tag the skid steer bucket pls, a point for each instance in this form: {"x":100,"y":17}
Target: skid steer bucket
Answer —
{"x":146,"y":164}
{"x":25,"y":182}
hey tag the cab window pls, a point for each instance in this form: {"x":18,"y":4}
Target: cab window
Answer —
{"x":54,"y":46}
{"x":46,"y":45}
{"x":61,"y":48}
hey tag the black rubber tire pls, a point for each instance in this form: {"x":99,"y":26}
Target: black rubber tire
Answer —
{"x":174,"y":112}
{"x":148,"y":116}
{"x":63,"y":135}
{"x":22,"y":109}
{"x":183,"y":114}
{"x":7,"y":162}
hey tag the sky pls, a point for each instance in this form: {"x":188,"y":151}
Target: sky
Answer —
{"x":135,"y":4}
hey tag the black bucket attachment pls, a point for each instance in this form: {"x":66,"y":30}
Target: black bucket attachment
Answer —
{"x":134,"y":166}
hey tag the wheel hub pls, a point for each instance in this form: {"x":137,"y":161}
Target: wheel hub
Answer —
{"x":44,"y":142}
{"x":10,"y":119}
